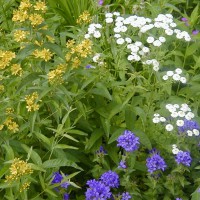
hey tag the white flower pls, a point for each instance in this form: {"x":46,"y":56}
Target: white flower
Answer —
{"x":169,"y":32}
{"x":97,"y":34}
{"x":181,"y":113}
{"x":174,"y":114}
{"x":138,"y":43}
{"x":134,"y":49}
{"x":175,"y":151}
{"x":128,"y":40}
{"x":109,"y":20}
{"x":91,"y":30}
{"x":155,"y":68}
{"x":162,"y":119}
{"x":176,"y":77}
{"x":117,"y":30}
{"x":130,"y":57}
{"x":117,"y":35}
{"x":150,"y":39}
{"x":145,"y":49}
{"x":119,"y":24}
{"x":137,"y":58}
{"x":156,"y":120}
{"x":109,"y":15}
{"x":169,"y":16}
{"x":142,"y":54}
{"x":96,"y":57}
{"x":179,"y":35}
{"x":165,"y":77}
{"x":157,"y":43}
{"x":155,"y":63}
{"x":119,"y":18}
{"x":174,"y":146}
{"x":173,"y":25}
{"x":172,"y":109}
{"x":98,"y":25}
{"x":116,"y":13}
{"x":87,"y":36}
{"x":156,"y":115}
{"x":169,"y":127}
{"x":176,"y":106}
{"x":183,"y":80}
{"x":170,"y":73}
{"x":177,"y":31}
{"x":196,"y":132}
{"x":185,"y":107}
{"x":168,"y":106}
{"x":187,"y":38}
{"x":179,"y":122}
{"x":120,"y":41}
{"x":190,"y":115}
{"x":149,"y":62}
{"x":190,"y":133}
{"x":162,"y":39}
{"x":123,"y":29}
{"x":178,"y":71}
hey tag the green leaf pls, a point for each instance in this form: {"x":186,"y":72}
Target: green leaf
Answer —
{"x":102,"y":91}
{"x":115,"y":135}
{"x":9,"y":152}
{"x":43,"y":138}
{"x":196,"y":195}
{"x":194,"y":15}
{"x":25,"y":52}
{"x":191,"y":49}
{"x":60,"y":163}
{"x":64,"y":146}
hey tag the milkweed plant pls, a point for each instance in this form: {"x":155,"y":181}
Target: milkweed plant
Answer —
{"x":107,"y":108}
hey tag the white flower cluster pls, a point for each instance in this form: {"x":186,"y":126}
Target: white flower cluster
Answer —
{"x":153,"y":62}
{"x":93,"y":30}
{"x":97,"y":59}
{"x":156,"y":42}
{"x":179,"y":113}
{"x":175,"y":75}
{"x":175,"y":150}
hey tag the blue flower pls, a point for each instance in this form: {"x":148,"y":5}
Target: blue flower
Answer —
{"x":110,"y":179}
{"x":128,"y":141}
{"x":101,"y":150}
{"x":57,"y":178}
{"x":97,"y":190}
{"x":155,"y":162}
{"x":66,"y":196}
{"x":178,"y":199}
{"x":122,"y":164}
{"x":188,"y":125}
{"x":183,"y":157}
{"x":125,"y":196}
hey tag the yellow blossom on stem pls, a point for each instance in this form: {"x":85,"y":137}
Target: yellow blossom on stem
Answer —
{"x":25,"y":186}
{"x":20,"y":35}
{"x":44,"y":54}
{"x":20,"y":15}
{"x":30,"y":101}
{"x":13,"y":126}
{"x":84,"y":18}
{"x":76,"y":62}
{"x":9,"y":110}
{"x":2,"y":88}
{"x":18,"y":169}
{"x":16,"y":69}
{"x":24,"y":5}
{"x":36,"y":19}
{"x":40,"y":6}
{"x":56,"y":76}
{"x":1,"y":127}
{"x":70,"y":43}
{"x":5,"y":58}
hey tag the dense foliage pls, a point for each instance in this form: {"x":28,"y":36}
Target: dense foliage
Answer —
{"x":99,"y":99}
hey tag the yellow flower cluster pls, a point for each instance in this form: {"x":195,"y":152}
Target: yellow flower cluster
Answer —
{"x":84,"y":18}
{"x":25,"y":186}
{"x":81,"y":50}
{"x":2,"y":88}
{"x":18,"y":169}
{"x":30,"y":101}
{"x":44,"y":54}
{"x":56,"y":76}
{"x":9,"y":110}
{"x":11,"y":125}
{"x":5,"y":58}
{"x":20,"y":35}
{"x":26,"y":12}
{"x":16,"y":69}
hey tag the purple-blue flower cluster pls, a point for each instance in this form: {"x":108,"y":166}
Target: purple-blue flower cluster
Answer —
{"x":183,"y":157}
{"x":97,"y":190}
{"x":110,"y":179}
{"x":128,"y":141}
{"x":122,"y":164}
{"x":125,"y":196}
{"x":188,"y":125}
{"x":101,"y":151}
{"x":57,"y":178}
{"x":155,"y":162}
{"x":66,"y":196}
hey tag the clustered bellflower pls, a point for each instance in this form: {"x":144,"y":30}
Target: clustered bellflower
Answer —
{"x":189,"y":125}
{"x":57,"y":178}
{"x":122,"y":164}
{"x":183,"y":157}
{"x":110,"y":179}
{"x":128,"y":141}
{"x":155,"y":162}
{"x":97,"y":190}
{"x":125,"y":196}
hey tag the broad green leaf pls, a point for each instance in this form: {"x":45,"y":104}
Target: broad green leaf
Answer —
{"x":115,"y":135}
{"x":64,"y":146}
{"x":43,"y":138}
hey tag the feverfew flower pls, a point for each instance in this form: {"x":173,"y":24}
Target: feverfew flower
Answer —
{"x":183,"y":157}
{"x":128,"y":141}
{"x":169,"y":127}
{"x":155,"y":162}
{"x":97,"y":190}
{"x":110,"y":179}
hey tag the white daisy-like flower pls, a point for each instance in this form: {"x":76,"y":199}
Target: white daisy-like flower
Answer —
{"x":156,"y":120}
{"x":109,"y":15}
{"x":169,"y":32}
{"x":179,"y":123}
{"x":165,"y":77}
{"x":178,"y":71}
{"x":87,"y":36}
{"x":196,"y":132}
{"x":128,"y":40}
{"x":150,"y":39}
{"x":142,"y":53}
{"x":169,"y":127}
{"x":123,"y":29}
{"x":98,"y":26}
{"x":157,"y":43}
{"x":138,"y":43}
{"x":120,"y":41}
{"x":130,"y":57}
{"x":162,"y":119}
{"x":156,"y":68}
{"x":183,"y":80}
{"x":181,"y":113}
{"x":149,"y":62}
{"x":175,"y":151}
{"x":117,"y":35}
{"x":190,"y":114}
{"x":176,"y":77}
{"x":173,"y":25}
{"x":116,"y":13}
{"x":162,"y":39}
{"x":145,"y":49}
{"x":174,"y":114}
{"x":96,"y":57}
{"x":156,"y":115}
{"x":170,"y":73}
{"x":97,"y":34}
{"x":176,"y":106}
{"x":109,"y":20}
{"x":189,"y":133}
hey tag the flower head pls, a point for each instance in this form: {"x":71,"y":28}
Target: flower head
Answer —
{"x":195,"y":32}
{"x":125,"y":196}
{"x":183,"y":157}
{"x":110,"y":179}
{"x":128,"y":141}
{"x":57,"y":178}
{"x":122,"y":164}
{"x":155,"y":162}
{"x":66,"y":196}
{"x":97,"y":190}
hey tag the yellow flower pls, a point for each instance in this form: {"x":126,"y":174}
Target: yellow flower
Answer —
{"x":25,"y":186}
{"x":40,"y":6}
{"x":24,"y":5}
{"x":84,"y":18}
{"x":18,"y":169}
{"x":16,"y":69}
{"x":2,"y":88}
{"x":30,"y":101}
{"x":9,"y":110}
{"x":20,"y":15}
{"x":68,"y":57}
{"x":13,"y":126}
{"x":51,"y":39}
{"x":70,"y":43}
{"x":1,"y":127}
{"x":56,"y":76}
{"x":44,"y":54}
{"x":5,"y":58}
{"x":76,"y":62}
{"x":36,"y":19}
{"x":20,"y":35}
